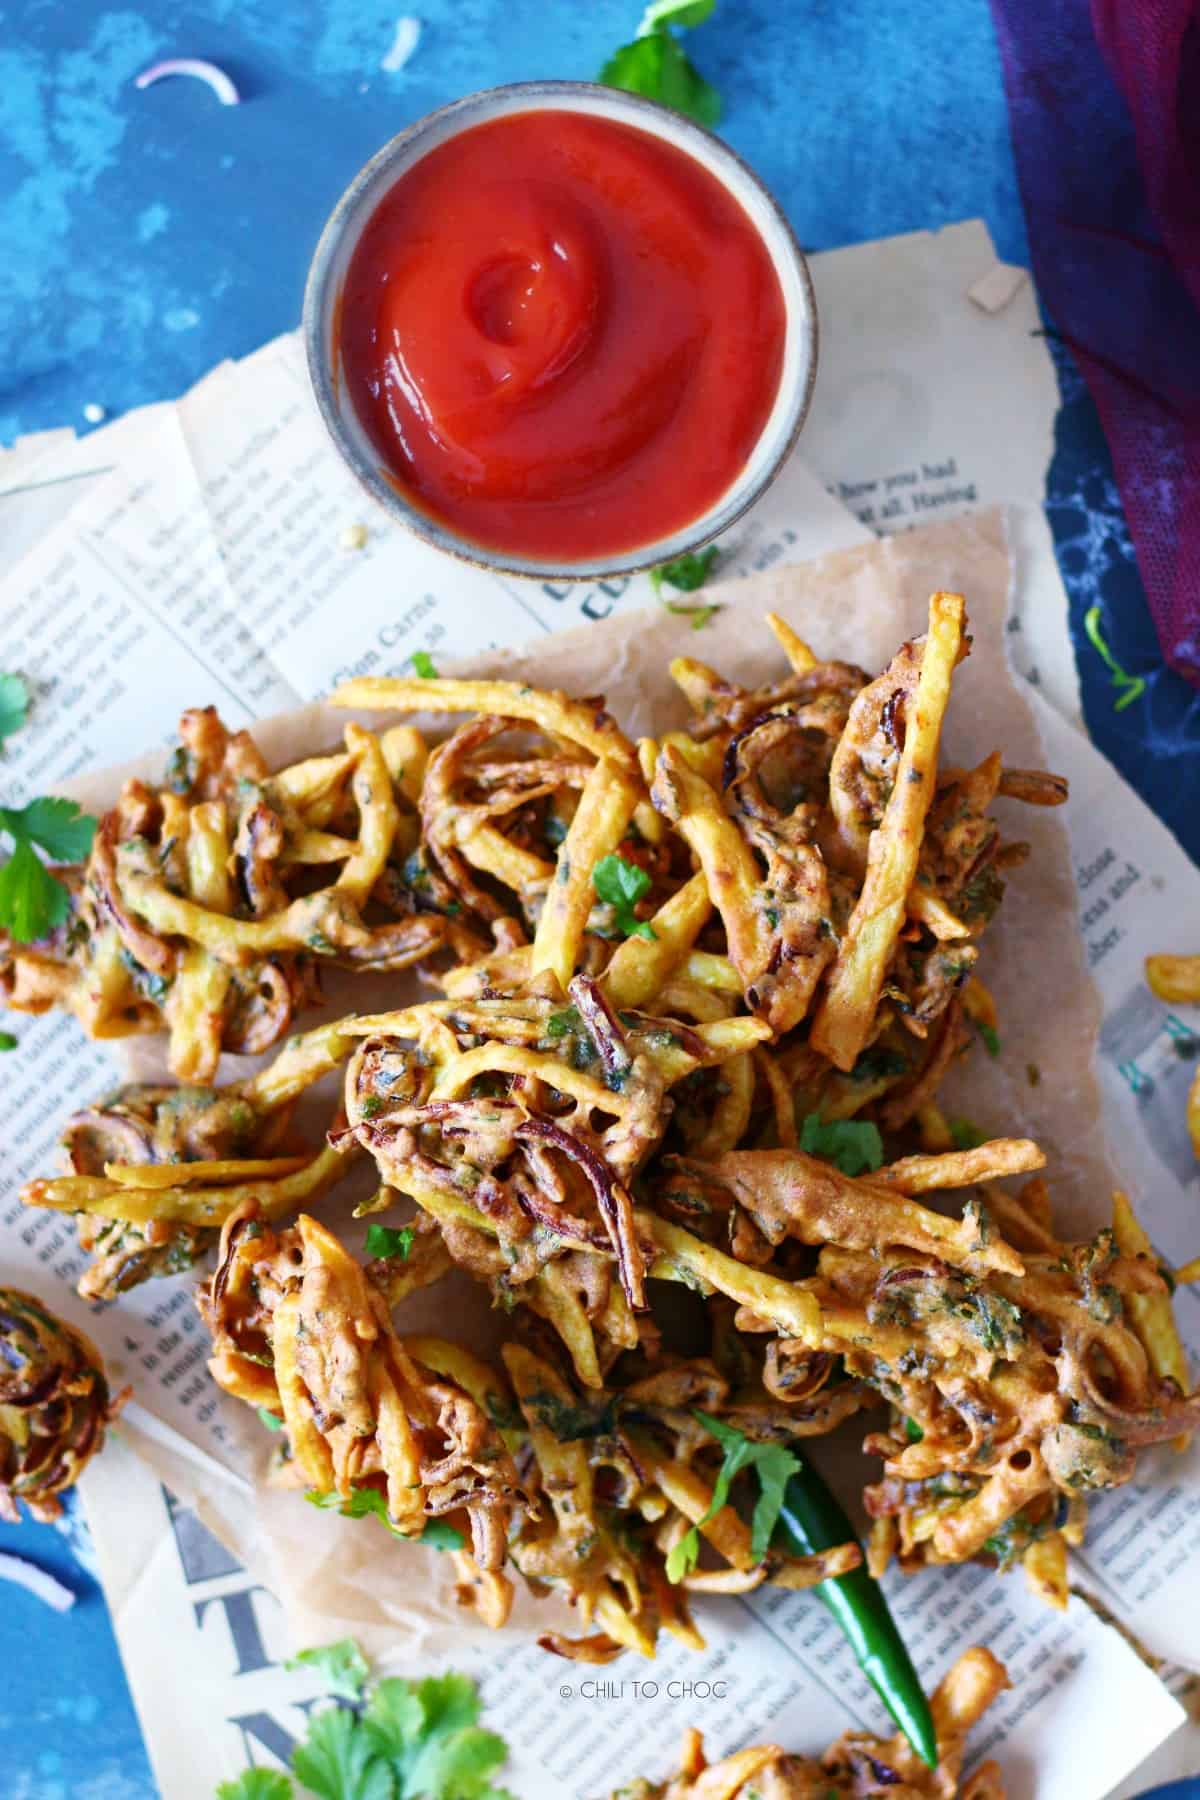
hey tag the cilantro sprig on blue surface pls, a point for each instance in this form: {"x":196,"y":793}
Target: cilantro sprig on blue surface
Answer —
{"x":655,"y":63}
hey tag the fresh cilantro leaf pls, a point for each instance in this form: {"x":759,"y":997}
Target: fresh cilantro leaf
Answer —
{"x":413,"y":1740}
{"x":437,"y":1535}
{"x":991,"y":1038}
{"x":368,"y":1502}
{"x":342,"y":1666}
{"x":621,"y":885}
{"x":257,"y":1784}
{"x":383,"y":1241}
{"x":683,"y":1556}
{"x":1129,"y":687}
{"x":338,"y":1762}
{"x":394,"y":1719}
{"x":32,"y":902}
{"x":913,"y":1431}
{"x":687,"y":573}
{"x":362,"y":1503}
{"x":564,"y":1024}
{"x":459,"y":1767}
{"x":774,"y":1465}
{"x":14,"y":705}
{"x":428,"y":1732}
{"x":852,"y":1145}
{"x":964,"y":1135}
{"x":422,"y":664}
{"x":7,"y":1041}
{"x":271,"y":1420}
{"x":56,"y":826}
{"x":657,"y":66}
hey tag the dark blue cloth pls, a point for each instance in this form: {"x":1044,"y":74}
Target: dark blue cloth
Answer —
{"x":1112,"y":203}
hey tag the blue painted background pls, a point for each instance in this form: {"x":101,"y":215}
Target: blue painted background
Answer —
{"x":145,"y":235}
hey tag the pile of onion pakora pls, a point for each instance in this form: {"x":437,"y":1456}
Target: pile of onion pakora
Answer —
{"x":856,"y":1765}
{"x":675,"y":1107}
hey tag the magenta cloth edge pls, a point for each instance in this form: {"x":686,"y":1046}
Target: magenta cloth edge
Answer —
{"x":1105,"y":114}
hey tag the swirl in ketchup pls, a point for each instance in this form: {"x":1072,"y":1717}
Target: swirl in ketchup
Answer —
{"x":563,"y":335}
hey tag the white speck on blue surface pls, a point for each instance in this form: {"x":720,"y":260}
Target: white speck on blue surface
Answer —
{"x":405,"y":40}
{"x":94,"y":413}
{"x":181,"y":318}
{"x":152,"y":221}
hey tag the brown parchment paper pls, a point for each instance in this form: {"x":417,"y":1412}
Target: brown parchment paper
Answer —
{"x":334,"y":1575}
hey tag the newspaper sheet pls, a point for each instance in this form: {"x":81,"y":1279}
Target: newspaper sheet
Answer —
{"x":178,"y":574}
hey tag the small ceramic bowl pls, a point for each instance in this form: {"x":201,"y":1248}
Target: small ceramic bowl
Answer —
{"x":340,"y":238}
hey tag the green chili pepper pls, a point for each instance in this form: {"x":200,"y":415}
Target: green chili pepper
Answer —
{"x":811,"y":1520}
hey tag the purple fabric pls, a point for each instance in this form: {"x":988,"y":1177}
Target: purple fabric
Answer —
{"x":1105,"y":111}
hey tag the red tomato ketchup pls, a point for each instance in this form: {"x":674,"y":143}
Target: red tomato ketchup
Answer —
{"x":563,"y":335}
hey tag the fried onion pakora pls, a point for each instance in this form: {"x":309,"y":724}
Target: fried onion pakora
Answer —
{"x":54,"y":1406}
{"x":518,"y":1123}
{"x":852,"y":877}
{"x":1023,"y":1371}
{"x":583,"y":1495}
{"x":798,"y":853}
{"x":156,"y":1171}
{"x":857,"y":1765}
{"x":623,"y":1477}
{"x":208,"y":905}
{"x":667,"y":961}
{"x":297,"y":1328}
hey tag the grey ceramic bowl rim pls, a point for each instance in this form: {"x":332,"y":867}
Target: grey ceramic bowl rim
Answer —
{"x":321,"y":308}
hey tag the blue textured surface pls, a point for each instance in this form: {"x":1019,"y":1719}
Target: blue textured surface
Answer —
{"x":145,"y":235}
{"x":67,"y":1724}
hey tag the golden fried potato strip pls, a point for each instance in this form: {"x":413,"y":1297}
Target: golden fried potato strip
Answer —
{"x":726,"y":861}
{"x":555,"y":713}
{"x":962,"y":1168}
{"x":185,"y":1205}
{"x":1152,"y":1314}
{"x":791,"y":1308}
{"x":641,"y":966}
{"x":788,"y":1193}
{"x":844,"y":1019}
{"x":1175,"y":979}
{"x":793,"y":646}
{"x":199,"y":1174}
{"x":601,"y":821}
